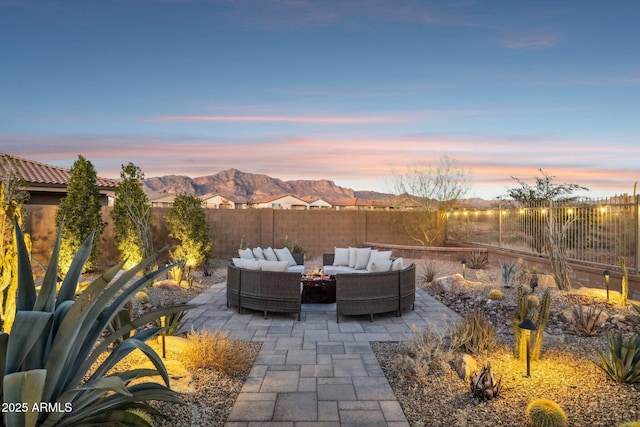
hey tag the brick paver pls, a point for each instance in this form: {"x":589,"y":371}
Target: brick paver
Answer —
{"x":316,"y":372}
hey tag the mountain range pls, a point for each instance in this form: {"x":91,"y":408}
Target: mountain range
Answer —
{"x":239,"y":185}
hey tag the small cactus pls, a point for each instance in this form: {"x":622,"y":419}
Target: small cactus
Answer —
{"x":142,"y":297}
{"x":546,"y":413}
{"x":495,"y":295}
{"x":533,"y":302}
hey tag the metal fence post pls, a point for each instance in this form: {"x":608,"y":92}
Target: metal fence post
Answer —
{"x":637,"y":248}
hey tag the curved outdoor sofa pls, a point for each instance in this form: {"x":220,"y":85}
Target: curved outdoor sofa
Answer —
{"x":362,"y":293}
{"x":266,"y":291}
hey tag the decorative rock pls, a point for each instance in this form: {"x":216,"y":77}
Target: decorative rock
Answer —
{"x":546,"y":281}
{"x":465,"y":365}
{"x":448,"y":283}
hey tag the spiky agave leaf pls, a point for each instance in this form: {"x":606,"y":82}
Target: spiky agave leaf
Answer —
{"x":61,"y":335}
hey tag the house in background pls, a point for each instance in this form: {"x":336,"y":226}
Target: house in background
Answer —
{"x":286,"y":201}
{"x":316,"y":202}
{"x":161,"y":200}
{"x":217,"y":201}
{"x":47,"y":184}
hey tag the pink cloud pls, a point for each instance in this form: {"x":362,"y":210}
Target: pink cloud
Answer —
{"x":360,"y":162}
{"x":280,"y":119}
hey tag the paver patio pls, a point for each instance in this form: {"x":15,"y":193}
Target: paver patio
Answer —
{"x":315,"y":372}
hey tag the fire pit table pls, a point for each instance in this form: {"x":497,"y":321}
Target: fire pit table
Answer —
{"x":318,"y":290}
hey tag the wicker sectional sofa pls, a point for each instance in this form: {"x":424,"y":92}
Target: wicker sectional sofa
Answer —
{"x":361,"y":292}
{"x":266,"y":291}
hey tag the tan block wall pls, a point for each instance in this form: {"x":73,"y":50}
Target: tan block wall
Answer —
{"x":317,"y":231}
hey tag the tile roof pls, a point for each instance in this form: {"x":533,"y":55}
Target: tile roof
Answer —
{"x":40,"y":173}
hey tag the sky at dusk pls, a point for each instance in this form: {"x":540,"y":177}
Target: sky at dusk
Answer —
{"x":354,"y":91}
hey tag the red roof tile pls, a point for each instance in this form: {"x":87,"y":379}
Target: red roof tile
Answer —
{"x":40,"y":173}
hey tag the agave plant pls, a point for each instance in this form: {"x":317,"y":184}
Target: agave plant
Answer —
{"x":50,"y":357}
{"x":484,"y":385}
{"x":508,"y":271}
{"x":624,"y":363}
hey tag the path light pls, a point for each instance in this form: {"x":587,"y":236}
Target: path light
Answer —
{"x":464,"y":266}
{"x":607,"y":275}
{"x":527,"y":326}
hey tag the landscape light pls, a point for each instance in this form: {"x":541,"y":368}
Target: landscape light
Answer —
{"x":527,"y":326}
{"x":607,"y":275}
{"x":464,"y":266}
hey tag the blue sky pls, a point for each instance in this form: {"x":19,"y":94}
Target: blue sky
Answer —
{"x":354,"y":91}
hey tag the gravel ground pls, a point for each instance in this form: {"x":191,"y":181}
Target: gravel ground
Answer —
{"x":565,"y":373}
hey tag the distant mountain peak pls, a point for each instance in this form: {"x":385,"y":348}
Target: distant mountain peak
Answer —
{"x":234,"y":183}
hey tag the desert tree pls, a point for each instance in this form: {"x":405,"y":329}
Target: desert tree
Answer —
{"x":131,"y":215}
{"x":80,"y":213}
{"x":186,"y":222}
{"x":13,"y":195}
{"x":548,"y":229}
{"x":428,"y":193}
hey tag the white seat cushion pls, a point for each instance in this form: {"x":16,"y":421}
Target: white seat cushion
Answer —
{"x":238,"y":262}
{"x":251,"y":264}
{"x":378,"y":266}
{"x":274,"y":265}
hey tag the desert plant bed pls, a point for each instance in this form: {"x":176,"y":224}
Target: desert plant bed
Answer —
{"x":565,"y":373}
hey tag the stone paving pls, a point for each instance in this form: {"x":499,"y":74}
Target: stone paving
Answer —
{"x":316,"y":372}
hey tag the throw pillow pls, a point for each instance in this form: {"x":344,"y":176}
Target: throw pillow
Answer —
{"x":285,"y":255}
{"x":257,"y":252}
{"x":251,"y":264}
{"x":274,"y":265}
{"x":245,"y":253}
{"x":269,"y":254}
{"x":352,"y":257}
{"x":397,"y":264}
{"x":378,"y":256}
{"x":380,"y":266}
{"x":362,"y":258}
{"x":341,"y":257}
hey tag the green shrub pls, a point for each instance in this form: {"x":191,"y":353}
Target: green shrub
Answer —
{"x":623,"y":365}
{"x":423,"y":354}
{"x":473,"y":334}
{"x":546,"y":413}
{"x":53,"y":350}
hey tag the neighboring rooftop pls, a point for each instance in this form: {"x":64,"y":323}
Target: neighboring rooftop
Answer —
{"x":47,"y":183}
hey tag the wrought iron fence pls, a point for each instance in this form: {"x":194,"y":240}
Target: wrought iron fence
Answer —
{"x":594,"y":231}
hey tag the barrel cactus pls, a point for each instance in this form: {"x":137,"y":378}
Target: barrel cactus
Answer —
{"x":495,"y":295}
{"x":546,"y":413}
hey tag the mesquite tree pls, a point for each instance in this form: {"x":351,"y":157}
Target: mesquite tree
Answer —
{"x":430,"y":192}
{"x":131,"y":215}
{"x":80,"y":213}
{"x":547,"y":194}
